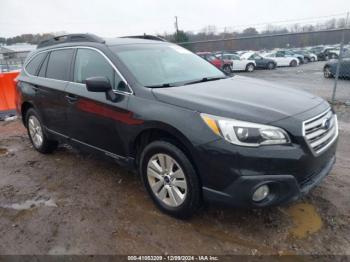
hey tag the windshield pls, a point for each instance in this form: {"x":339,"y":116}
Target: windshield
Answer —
{"x":164,"y":64}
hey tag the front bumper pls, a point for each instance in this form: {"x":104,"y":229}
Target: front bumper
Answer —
{"x":230,"y":174}
{"x":283,"y":189}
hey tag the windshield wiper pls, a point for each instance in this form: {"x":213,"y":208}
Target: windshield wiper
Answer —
{"x":205,"y":79}
{"x":161,"y":85}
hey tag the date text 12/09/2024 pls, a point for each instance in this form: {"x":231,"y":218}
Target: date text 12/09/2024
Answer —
{"x":173,"y":258}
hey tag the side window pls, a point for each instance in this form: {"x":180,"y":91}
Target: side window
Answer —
{"x":59,"y":64}
{"x":33,"y":66}
{"x":42,"y":71}
{"x":234,"y":57}
{"x":90,"y":63}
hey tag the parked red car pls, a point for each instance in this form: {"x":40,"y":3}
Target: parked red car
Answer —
{"x":225,"y":65}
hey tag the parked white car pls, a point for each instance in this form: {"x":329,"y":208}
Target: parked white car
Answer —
{"x":239,"y":64}
{"x":313,"y":57}
{"x":282,"y":60}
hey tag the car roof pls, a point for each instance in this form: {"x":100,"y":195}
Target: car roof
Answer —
{"x":204,"y":53}
{"x":90,"y":39}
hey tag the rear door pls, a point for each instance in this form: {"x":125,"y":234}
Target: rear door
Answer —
{"x":95,"y":120}
{"x":28,"y":81}
{"x":53,"y":79}
{"x":238,"y":64}
{"x":344,"y":69}
{"x":281,"y":59}
{"x":258,"y":60}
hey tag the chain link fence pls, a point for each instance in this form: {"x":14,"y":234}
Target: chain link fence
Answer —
{"x":323,"y":58}
{"x":12,"y":61}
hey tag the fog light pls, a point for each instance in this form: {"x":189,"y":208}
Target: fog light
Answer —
{"x":261,"y":193}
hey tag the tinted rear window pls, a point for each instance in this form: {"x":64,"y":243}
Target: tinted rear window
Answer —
{"x":59,"y":63}
{"x":34,"y":64}
{"x":42,"y":71}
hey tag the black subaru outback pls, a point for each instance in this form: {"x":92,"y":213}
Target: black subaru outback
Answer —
{"x":193,"y":133}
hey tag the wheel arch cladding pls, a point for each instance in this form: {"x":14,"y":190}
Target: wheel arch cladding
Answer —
{"x":24,"y":109}
{"x":165,"y":133}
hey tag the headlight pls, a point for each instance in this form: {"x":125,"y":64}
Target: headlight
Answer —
{"x":245,"y":133}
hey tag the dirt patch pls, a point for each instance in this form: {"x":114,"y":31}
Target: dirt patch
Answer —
{"x":3,"y":151}
{"x":306,"y":220}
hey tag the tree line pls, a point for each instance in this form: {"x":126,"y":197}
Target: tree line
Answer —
{"x":25,"y":38}
{"x":212,"y":33}
{"x":294,"y":35}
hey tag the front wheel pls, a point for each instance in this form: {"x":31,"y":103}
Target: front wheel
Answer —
{"x":250,"y":68}
{"x":293,"y":63}
{"x":170,"y":179}
{"x":36,"y":133}
{"x":271,"y":66}
{"x":313,"y":59}
{"x":227,"y":69}
{"x":327,"y":72}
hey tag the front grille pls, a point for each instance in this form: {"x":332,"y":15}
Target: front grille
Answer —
{"x":321,"y":131}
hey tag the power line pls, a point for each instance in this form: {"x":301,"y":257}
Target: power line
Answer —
{"x":280,"y":22}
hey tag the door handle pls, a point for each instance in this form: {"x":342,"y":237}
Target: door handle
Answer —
{"x":71,"y":98}
{"x":35,"y":88}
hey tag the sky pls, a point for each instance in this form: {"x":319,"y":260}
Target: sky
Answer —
{"x":110,"y":18}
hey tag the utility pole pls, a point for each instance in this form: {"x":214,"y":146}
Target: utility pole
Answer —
{"x":223,"y":48}
{"x":340,"y":58}
{"x":176,"y":29}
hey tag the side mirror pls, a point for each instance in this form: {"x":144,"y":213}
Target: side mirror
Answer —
{"x":98,"y":84}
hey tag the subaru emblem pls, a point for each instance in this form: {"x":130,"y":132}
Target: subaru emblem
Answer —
{"x":326,"y":123}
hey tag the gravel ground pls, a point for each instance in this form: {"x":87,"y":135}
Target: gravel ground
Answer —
{"x":72,"y":203}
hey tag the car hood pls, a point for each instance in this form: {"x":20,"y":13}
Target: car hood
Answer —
{"x":240,"y":98}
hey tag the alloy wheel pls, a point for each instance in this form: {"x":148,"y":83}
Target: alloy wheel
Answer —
{"x":250,"y":68}
{"x":327,"y":72}
{"x":167,"y":180}
{"x":227,"y":69}
{"x":35,"y":131}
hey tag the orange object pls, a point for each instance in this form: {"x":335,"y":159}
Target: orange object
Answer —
{"x":8,"y":91}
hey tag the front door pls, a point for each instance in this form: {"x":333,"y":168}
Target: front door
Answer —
{"x":94,"y":119}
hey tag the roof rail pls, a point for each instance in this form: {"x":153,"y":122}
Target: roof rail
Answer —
{"x":71,"y":38}
{"x":148,"y":37}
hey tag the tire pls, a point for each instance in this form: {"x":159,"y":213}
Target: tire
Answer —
{"x":227,"y":69}
{"x":271,"y":66}
{"x":36,"y":133}
{"x":307,"y":60}
{"x":164,"y":183}
{"x":293,"y":63}
{"x":250,"y":68}
{"x":327,"y":72}
{"x":326,"y":58}
{"x":313,"y":59}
